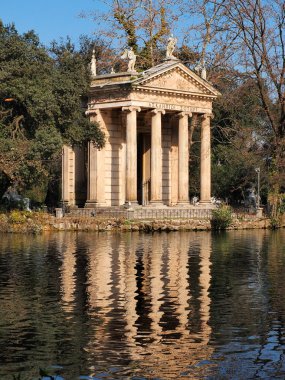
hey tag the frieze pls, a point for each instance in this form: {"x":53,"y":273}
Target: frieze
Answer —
{"x":176,"y":107}
{"x":171,"y":101}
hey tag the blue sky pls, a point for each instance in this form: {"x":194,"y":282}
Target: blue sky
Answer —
{"x":50,"y":19}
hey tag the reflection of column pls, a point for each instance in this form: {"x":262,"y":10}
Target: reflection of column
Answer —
{"x":96,"y":172}
{"x":130,"y":285}
{"x":182,"y":279}
{"x":68,"y":175}
{"x":205,"y":173}
{"x":99,"y":288}
{"x":68,"y":272}
{"x":178,"y":247}
{"x":131,"y":153}
{"x":183,"y":159}
{"x":156,"y":285}
{"x":205,"y":282}
{"x":156,"y":157}
{"x":100,"y":274}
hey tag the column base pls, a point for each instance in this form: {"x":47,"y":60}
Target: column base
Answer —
{"x":131,"y":204}
{"x":207,"y":204}
{"x":69,"y":204}
{"x":94,"y":204}
{"x":183,"y":203}
{"x":155,"y":204}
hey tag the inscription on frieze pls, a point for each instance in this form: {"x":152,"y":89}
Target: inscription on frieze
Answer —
{"x":176,"y":107}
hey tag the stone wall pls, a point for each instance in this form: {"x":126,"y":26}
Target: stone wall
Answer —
{"x":122,"y":224}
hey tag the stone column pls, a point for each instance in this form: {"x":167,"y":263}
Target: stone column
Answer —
{"x":95,"y":172}
{"x":205,"y":173}
{"x":68,"y":175}
{"x":183,"y":159}
{"x":131,"y":154}
{"x":156,"y":158}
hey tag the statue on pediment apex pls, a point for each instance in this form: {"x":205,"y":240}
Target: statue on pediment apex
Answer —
{"x":171,"y":44}
{"x":201,"y":70}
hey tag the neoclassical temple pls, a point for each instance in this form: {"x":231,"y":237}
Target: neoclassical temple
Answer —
{"x":146,"y":118}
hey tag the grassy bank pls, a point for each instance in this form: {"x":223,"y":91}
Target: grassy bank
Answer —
{"x":37,"y":222}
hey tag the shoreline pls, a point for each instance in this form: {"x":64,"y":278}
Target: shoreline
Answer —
{"x":37,"y":222}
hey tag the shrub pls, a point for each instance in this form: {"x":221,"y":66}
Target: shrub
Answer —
{"x":275,"y":223}
{"x":221,"y":218}
{"x":17,"y":217}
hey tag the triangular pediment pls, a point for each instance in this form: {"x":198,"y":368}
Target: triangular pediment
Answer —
{"x":175,"y":78}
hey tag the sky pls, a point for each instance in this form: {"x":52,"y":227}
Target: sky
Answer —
{"x":50,"y":19}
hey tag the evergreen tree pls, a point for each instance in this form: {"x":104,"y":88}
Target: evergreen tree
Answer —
{"x":41,"y":108}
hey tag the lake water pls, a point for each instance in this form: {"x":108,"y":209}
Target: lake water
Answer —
{"x":180,"y":305}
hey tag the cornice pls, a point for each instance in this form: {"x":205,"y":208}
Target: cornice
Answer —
{"x":170,"y":92}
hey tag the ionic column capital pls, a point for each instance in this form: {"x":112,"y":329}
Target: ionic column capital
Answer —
{"x":155,"y":111}
{"x":95,"y":115}
{"x":92,"y":111}
{"x":204,"y":116}
{"x":183,"y":114}
{"x":131,"y":109}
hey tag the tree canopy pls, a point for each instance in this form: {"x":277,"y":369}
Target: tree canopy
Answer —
{"x":41,"y":106}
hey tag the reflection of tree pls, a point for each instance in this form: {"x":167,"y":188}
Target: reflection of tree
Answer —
{"x":236,"y":282}
{"x":247,"y":288}
{"x":31,"y":317}
{"x":272,"y":343}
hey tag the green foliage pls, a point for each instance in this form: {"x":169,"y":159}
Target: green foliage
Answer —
{"x":233,"y":171}
{"x":18,"y":217}
{"x":281,"y":203}
{"x":41,"y":107}
{"x":221,"y":218}
{"x":277,"y":204}
{"x":37,"y":193}
{"x":275,"y":222}
{"x":239,"y":138}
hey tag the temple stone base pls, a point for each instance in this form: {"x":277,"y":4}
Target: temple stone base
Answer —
{"x":94,"y":204}
{"x":183,"y":204}
{"x":206,"y":205}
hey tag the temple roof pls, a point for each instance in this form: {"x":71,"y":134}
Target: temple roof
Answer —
{"x":171,"y":75}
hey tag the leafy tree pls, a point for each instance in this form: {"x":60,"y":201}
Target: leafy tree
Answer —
{"x":41,"y":98}
{"x":239,"y":138}
{"x":143,"y":25}
{"x":260,"y":29}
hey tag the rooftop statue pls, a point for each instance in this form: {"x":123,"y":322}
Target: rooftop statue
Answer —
{"x":129,"y":53}
{"x":93,"y":68}
{"x":201,"y":70}
{"x":171,"y":44}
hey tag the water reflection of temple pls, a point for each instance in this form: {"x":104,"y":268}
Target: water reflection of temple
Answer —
{"x":151,"y":305}
{"x":147,"y":300}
